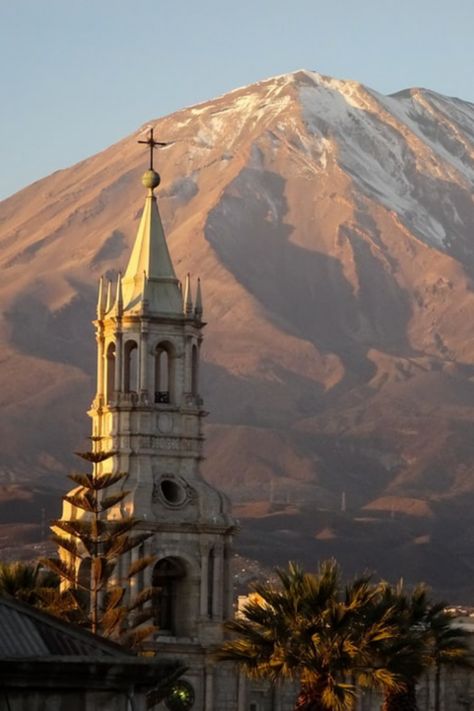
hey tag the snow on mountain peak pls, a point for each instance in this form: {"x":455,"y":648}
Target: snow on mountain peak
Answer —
{"x":389,"y":145}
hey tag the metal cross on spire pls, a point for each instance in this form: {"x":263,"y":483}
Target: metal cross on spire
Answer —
{"x":152,"y":144}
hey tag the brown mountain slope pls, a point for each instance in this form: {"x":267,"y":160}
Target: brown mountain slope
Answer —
{"x":332,"y":229}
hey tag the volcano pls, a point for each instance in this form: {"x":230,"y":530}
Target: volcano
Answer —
{"x":333,"y":231}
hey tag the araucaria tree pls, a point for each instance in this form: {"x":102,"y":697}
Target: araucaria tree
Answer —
{"x":311,"y":629}
{"x":91,"y":544}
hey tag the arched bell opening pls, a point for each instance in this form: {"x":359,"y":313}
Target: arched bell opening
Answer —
{"x":171,"y":597}
{"x":130,"y":367}
{"x":164,"y":373}
{"x":110,"y":372}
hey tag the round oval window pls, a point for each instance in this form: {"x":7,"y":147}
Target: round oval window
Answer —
{"x":172,"y":492}
{"x":181,"y":697}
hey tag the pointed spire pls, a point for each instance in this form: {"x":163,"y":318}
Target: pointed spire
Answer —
{"x":150,"y":251}
{"x":100,"y":299}
{"x":198,"y":305}
{"x":108,"y":300}
{"x":188,"y":298}
{"x":150,"y":255}
{"x":119,"y":296}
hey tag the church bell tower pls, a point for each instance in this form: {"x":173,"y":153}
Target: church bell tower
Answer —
{"x":149,"y":412}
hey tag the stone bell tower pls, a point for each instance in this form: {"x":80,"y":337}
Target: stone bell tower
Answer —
{"x":148,"y":411}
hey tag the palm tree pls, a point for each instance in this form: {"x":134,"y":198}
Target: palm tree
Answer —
{"x":38,"y":586}
{"x":309,"y":629}
{"x":28,"y":582}
{"x":447,"y":645}
{"x":405,"y":654}
{"x":426,"y":639}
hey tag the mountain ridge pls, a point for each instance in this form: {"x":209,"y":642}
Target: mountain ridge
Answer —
{"x":332,"y":228}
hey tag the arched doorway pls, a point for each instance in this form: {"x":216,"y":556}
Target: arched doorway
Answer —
{"x":169,"y":600}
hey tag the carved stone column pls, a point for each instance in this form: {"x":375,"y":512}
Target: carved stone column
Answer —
{"x":197,"y":367}
{"x":134,"y":581}
{"x":100,"y":364}
{"x":144,"y":363}
{"x":118,"y":362}
{"x":218,"y":583}
{"x":241,"y":692}
{"x":187,"y":365}
{"x":228,"y":582}
{"x":209,"y":689}
{"x":204,"y":580}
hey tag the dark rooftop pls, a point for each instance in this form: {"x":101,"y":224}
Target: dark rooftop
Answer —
{"x":28,"y":632}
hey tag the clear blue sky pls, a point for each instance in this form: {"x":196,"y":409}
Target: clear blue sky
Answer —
{"x":79,"y":75}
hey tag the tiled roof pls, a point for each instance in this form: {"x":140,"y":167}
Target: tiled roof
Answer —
{"x":28,"y":632}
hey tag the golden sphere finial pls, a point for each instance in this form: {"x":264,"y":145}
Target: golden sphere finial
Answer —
{"x":151,"y":179}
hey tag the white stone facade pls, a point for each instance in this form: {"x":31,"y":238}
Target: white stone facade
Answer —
{"x":148,"y":411}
